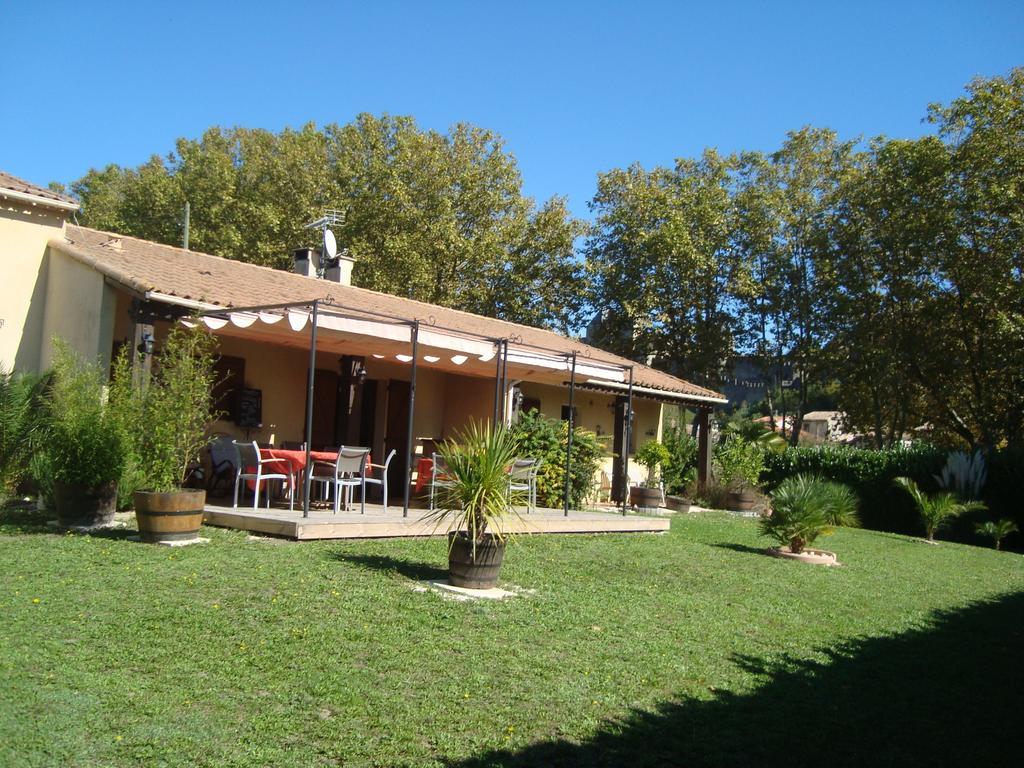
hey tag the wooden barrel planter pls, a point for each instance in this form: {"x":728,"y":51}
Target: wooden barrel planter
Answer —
{"x":479,"y":573}
{"x":169,"y":517}
{"x":84,"y":506}
{"x":742,"y":501}
{"x":678,"y":503}
{"x":645,"y":498}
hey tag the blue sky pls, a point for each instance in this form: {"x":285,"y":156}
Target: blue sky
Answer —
{"x":574,"y":88}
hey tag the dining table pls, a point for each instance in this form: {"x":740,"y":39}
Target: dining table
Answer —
{"x":292,"y":461}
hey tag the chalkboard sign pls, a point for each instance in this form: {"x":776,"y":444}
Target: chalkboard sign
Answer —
{"x":250,"y":408}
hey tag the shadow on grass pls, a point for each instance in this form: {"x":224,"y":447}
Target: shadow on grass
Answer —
{"x":949,"y":693}
{"x":18,"y":518}
{"x":408,"y":568}
{"x":742,"y":548}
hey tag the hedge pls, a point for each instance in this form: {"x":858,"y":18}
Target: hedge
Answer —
{"x":884,"y":508}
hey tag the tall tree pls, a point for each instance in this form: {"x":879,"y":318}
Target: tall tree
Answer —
{"x":437,"y":217}
{"x":666,"y":274}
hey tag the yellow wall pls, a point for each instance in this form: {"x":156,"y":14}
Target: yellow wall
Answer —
{"x":596,"y":412}
{"x":80,"y":308}
{"x":24,"y":232}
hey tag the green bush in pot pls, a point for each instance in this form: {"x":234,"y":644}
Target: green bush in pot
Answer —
{"x":167,"y":419}
{"x":84,"y":445}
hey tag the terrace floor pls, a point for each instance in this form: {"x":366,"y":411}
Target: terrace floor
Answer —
{"x":376,"y":524}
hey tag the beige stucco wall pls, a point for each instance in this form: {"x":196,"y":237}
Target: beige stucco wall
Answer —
{"x":24,"y":232}
{"x":80,"y":308}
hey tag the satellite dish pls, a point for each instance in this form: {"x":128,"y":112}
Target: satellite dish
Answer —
{"x":330,"y":244}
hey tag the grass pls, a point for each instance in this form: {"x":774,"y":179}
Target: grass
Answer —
{"x":688,"y":648}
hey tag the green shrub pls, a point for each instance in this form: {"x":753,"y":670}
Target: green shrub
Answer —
{"x":542,"y":438}
{"x":738,"y":462}
{"x":84,"y":442}
{"x":805,"y":507}
{"x":680,"y":470}
{"x":997,"y":531}
{"x":652,"y":455}
{"x":167,"y":419}
{"x":22,"y":422}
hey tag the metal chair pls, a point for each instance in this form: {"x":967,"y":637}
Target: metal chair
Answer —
{"x":439,"y":477}
{"x":222,"y":463}
{"x":349,"y":472}
{"x":383,"y":479}
{"x":523,"y":477}
{"x":248,"y":455}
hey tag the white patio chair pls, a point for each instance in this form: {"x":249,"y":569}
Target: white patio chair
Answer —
{"x":248,"y":455}
{"x":349,"y":472}
{"x":523,"y":477}
{"x":438,"y":476}
{"x":382,"y":481}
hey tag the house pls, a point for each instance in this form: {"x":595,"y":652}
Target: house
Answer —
{"x":389,"y":372}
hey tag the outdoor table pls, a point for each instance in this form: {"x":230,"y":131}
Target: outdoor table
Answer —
{"x":293,"y":461}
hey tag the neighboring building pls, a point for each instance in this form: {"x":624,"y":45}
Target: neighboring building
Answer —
{"x":101,"y":291}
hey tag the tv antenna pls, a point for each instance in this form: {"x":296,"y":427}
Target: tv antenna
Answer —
{"x":329,"y":244}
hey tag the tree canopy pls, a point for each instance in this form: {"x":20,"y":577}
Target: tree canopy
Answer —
{"x":439,"y":217}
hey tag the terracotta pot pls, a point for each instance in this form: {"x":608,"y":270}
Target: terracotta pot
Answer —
{"x":645,"y":498}
{"x":84,"y":506}
{"x":167,"y":517}
{"x":480,"y":572}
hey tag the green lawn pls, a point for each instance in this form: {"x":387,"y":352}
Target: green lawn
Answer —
{"x":684,"y":649}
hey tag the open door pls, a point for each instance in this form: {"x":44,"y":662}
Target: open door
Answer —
{"x":397,"y":434}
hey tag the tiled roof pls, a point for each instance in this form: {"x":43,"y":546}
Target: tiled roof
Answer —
{"x":13,"y":183}
{"x":146,"y":266}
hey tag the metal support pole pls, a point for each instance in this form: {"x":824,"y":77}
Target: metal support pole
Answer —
{"x":572,"y":426}
{"x":504,"y":382}
{"x":412,"y":410}
{"x":497,"y":383}
{"x":625,"y":444}
{"x":309,"y":406}
{"x":703,"y":421}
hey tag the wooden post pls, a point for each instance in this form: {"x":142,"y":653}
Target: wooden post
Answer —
{"x":702,"y":420}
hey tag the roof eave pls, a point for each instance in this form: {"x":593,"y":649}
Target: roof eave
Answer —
{"x":45,"y":202}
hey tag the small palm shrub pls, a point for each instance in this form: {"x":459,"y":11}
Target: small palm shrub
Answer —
{"x":997,"y":531}
{"x":938,"y":509}
{"x":477,"y":488}
{"x":805,"y":507}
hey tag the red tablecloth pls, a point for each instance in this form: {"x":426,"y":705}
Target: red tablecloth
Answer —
{"x":424,"y":469}
{"x":290,"y":461}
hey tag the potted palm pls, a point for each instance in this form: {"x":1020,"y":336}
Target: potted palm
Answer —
{"x":476,"y":503}
{"x":652,"y":455}
{"x":805,"y":507}
{"x":938,"y":509}
{"x":168,"y":420}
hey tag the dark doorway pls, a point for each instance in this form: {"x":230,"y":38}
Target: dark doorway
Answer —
{"x":618,"y":492}
{"x":325,"y":410}
{"x":397,"y":434}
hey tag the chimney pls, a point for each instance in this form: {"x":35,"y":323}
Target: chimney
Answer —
{"x":306,"y":260}
{"x":339,"y":269}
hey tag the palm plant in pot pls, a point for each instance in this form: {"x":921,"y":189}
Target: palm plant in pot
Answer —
{"x":476,"y":503}
{"x":652,"y":456}
{"x":167,"y":420}
{"x":84,"y":449}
